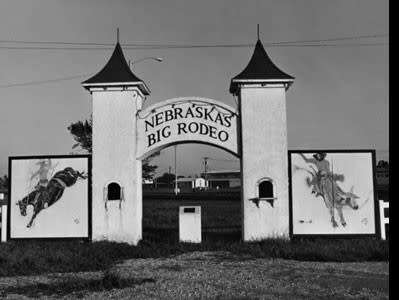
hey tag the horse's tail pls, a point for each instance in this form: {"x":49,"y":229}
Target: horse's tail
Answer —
{"x":82,"y":175}
{"x":297,"y":168}
{"x":338,"y":177}
{"x":309,"y":181}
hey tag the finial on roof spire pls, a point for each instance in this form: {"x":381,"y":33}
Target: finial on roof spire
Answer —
{"x":117,"y":34}
{"x":258,"y":31}
{"x":260,"y":69}
{"x":116,"y":73}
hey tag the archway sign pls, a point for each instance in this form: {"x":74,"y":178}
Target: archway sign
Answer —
{"x":124,"y":133}
{"x":183,"y":120}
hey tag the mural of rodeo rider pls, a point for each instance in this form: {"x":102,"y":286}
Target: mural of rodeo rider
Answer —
{"x":42,"y":173}
{"x":43,"y":197}
{"x":322,"y":181}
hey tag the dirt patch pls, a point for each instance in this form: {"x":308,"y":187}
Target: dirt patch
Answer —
{"x":213,"y":275}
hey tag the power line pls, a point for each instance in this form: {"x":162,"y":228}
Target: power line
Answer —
{"x":298,"y":43}
{"x":65,"y":78}
{"x":209,"y":46}
{"x":346,"y":38}
{"x":356,"y":37}
{"x":334,"y":45}
{"x":43,"y":81}
{"x":251,"y":45}
{"x":285,"y":45}
{"x":52,"y":48}
{"x":55,"y":43}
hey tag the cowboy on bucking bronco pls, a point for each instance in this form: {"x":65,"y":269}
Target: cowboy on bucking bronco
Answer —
{"x":42,"y":173}
{"x":323,"y":179}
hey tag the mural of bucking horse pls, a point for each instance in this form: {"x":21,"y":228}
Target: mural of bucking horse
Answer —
{"x":324,"y":183}
{"x":45,"y":196}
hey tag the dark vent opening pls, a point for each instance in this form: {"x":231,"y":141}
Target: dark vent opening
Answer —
{"x":266,"y":189}
{"x":114,"y":191}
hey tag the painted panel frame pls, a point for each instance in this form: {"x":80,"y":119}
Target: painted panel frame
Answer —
{"x":75,"y":182}
{"x":363,"y":161}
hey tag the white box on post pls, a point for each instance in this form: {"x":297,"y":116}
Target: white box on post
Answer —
{"x":190,"y":224}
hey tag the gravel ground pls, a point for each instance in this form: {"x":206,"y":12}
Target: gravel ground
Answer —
{"x":213,"y":275}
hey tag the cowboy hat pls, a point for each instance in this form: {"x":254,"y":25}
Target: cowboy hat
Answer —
{"x":43,"y":161}
{"x":322,"y":155}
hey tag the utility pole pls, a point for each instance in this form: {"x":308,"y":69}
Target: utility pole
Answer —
{"x":206,"y":171}
{"x":175,"y":170}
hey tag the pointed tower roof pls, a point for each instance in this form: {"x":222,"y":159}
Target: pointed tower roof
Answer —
{"x":116,"y":73}
{"x":260,"y":69}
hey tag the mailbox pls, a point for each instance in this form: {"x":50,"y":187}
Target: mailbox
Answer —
{"x":190,"y":224}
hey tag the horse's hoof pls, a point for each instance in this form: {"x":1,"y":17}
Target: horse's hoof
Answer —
{"x":343,"y":224}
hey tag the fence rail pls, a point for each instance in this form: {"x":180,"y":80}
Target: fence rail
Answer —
{"x":384,"y":220}
{"x":3,"y":217}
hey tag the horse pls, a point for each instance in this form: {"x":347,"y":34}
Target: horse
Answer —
{"x":326,"y":186}
{"x":43,"y":197}
{"x":336,"y":198}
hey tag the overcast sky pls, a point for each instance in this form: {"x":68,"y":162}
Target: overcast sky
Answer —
{"x":339,"y":98}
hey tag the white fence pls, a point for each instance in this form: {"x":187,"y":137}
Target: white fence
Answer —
{"x":3,"y":222}
{"x":383,"y":220}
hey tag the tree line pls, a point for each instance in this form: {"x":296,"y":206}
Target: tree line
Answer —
{"x":82,"y":133}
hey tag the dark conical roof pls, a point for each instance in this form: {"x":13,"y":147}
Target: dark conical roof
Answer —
{"x":116,"y":71}
{"x":259,"y":69}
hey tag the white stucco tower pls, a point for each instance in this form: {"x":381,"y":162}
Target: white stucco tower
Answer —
{"x":261,"y":91}
{"x":117,"y":95}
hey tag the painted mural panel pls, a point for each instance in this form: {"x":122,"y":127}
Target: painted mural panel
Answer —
{"x":49,"y":197}
{"x":332,"y":193}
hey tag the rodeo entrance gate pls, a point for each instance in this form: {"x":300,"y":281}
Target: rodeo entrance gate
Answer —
{"x":124,"y":134}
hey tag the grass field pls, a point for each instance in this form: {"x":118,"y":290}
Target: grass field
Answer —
{"x":36,"y":257}
{"x":160,"y":220}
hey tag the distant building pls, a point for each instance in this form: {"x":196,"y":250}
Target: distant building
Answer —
{"x":231,"y":178}
{"x":382,"y":176}
{"x":3,"y":196}
{"x":382,"y":181}
{"x":190,"y":184}
{"x":223,"y":179}
{"x":148,"y":184}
